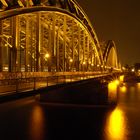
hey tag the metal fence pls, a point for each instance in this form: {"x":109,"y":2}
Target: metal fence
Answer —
{"x":18,"y":82}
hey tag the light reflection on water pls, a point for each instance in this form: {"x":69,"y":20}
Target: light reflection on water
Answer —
{"x":30,"y":120}
{"x":123,"y":89}
{"x":123,"y":122}
{"x":37,"y":123}
{"x":112,"y":91}
{"x":138,"y":86}
{"x":116,"y":127}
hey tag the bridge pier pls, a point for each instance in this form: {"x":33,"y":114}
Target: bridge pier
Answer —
{"x":87,"y":92}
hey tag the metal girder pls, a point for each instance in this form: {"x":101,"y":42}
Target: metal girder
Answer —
{"x":50,"y":41}
{"x":110,"y":54}
{"x":4,"y":3}
{"x":20,"y":3}
{"x":68,"y":5}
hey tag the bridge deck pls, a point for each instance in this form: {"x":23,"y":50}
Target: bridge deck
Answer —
{"x":15,"y":85}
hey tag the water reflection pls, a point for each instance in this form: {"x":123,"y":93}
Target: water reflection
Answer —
{"x":116,"y":126}
{"x":37,"y":123}
{"x":112,"y":91}
{"x":138,"y":86}
{"x":123,"y":89}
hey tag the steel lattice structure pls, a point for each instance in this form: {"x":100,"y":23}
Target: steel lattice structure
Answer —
{"x":47,"y":35}
{"x":110,"y":55}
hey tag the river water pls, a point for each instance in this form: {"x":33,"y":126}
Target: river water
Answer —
{"x":28,"y":119}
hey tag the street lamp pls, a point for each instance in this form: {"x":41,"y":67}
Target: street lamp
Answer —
{"x":47,"y":55}
{"x":71,"y":60}
{"x":84,"y":63}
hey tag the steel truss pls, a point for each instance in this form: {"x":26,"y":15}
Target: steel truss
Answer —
{"x":49,"y":35}
{"x":110,"y":55}
{"x":46,"y":41}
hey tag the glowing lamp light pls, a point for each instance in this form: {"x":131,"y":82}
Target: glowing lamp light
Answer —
{"x":116,"y":126}
{"x":89,"y":62}
{"x":47,"y":55}
{"x":123,"y":89}
{"x":117,"y":82}
{"x":123,"y":68}
{"x":84,"y":63}
{"x":112,"y":86}
{"x":133,"y":70}
{"x":71,"y":60}
{"x":121,"y":78}
{"x":5,"y":68}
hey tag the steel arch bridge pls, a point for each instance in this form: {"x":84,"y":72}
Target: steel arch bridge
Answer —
{"x":110,"y":55}
{"x":48,"y":36}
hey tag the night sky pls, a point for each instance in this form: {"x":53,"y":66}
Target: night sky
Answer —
{"x":117,"y":20}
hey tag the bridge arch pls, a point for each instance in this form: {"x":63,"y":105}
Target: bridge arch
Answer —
{"x":47,"y":35}
{"x":110,"y":56}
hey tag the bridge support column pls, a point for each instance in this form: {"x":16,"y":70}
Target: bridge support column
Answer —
{"x":87,"y":92}
{"x":57,"y":53}
{"x":64,"y":43}
{"x":38,"y":41}
{"x":13,"y":42}
{"x":17,"y":43}
{"x":72,"y":63}
{"x":84,"y":63}
{"x":88,"y":56}
{"x":79,"y":48}
{"x":54,"y":43}
{"x":1,"y":60}
{"x":27,"y":44}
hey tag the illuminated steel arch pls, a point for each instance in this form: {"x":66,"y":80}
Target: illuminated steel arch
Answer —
{"x":46,"y":35}
{"x":110,"y":55}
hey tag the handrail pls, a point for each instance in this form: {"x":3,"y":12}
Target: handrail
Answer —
{"x":20,"y":84}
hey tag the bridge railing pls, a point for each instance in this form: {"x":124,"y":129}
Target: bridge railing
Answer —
{"x":19,"y":82}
